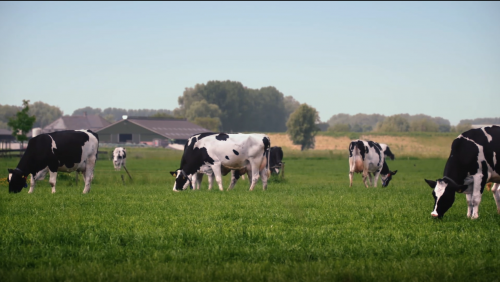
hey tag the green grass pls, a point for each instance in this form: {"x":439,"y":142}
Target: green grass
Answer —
{"x":309,"y":227}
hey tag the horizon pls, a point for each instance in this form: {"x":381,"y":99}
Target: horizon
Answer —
{"x":432,"y":58}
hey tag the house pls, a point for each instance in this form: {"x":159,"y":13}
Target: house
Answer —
{"x":92,"y":122}
{"x":149,"y":130}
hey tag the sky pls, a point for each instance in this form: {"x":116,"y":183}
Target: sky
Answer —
{"x":434,"y":58}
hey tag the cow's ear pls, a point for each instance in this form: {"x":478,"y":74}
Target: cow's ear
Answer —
{"x":394,"y":172}
{"x":10,"y":170}
{"x":431,"y":183}
{"x":174,"y":174}
{"x":461,"y":188}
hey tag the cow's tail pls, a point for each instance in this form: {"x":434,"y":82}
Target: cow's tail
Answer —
{"x":268,"y":156}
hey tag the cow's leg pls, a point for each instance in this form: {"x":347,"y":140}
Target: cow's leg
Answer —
{"x":255,"y":173}
{"x":264,"y":176}
{"x":370,"y":176}
{"x":89,"y":173}
{"x":496,"y":195}
{"x":351,"y":176}
{"x":376,"y":176}
{"x":474,"y":199}
{"x":235,"y":175}
{"x":52,"y":180}
{"x":365,"y":175}
{"x":198,"y":178}
{"x":38,"y":176}
{"x":32,"y":185}
{"x":216,"y":168}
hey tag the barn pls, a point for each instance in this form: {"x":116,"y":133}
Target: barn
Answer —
{"x":149,"y":130}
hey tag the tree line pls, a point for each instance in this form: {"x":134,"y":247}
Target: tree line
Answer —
{"x":398,"y":123}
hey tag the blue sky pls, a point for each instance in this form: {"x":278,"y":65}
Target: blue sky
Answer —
{"x":436,"y":58}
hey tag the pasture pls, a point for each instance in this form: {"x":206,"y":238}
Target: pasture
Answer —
{"x":309,"y":227}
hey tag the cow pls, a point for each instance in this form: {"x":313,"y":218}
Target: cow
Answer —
{"x":275,"y":159}
{"x":368,"y":157}
{"x":67,"y":151}
{"x":119,"y":158}
{"x":218,"y":153}
{"x":474,"y":160}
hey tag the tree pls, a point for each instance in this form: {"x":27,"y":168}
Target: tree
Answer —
{"x":424,"y":125}
{"x":212,"y":124}
{"x":22,"y":123}
{"x":6,"y":112}
{"x":340,"y":127}
{"x":395,"y":123}
{"x":44,"y":113}
{"x":290,"y":106}
{"x":202,"y":109}
{"x":302,"y":126}
{"x":462,"y":127}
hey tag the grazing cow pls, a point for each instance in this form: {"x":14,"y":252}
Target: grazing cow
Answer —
{"x":474,"y":160}
{"x":368,"y":157}
{"x":275,"y":159}
{"x":218,"y":153}
{"x":67,"y":151}
{"x":119,"y":158}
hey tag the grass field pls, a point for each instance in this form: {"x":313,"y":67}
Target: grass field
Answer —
{"x":309,"y":227}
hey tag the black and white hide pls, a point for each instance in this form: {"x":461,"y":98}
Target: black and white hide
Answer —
{"x":67,"y":151}
{"x":275,"y":159}
{"x":119,"y":158}
{"x":367,"y":157}
{"x":387,"y":151}
{"x":217,"y":154}
{"x":474,"y":160}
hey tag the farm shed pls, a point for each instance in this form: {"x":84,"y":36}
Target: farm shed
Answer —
{"x":6,"y":138}
{"x":149,"y":130}
{"x":92,"y":122}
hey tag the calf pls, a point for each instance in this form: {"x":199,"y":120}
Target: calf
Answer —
{"x":119,"y":157}
{"x":67,"y":151}
{"x":368,"y":157}
{"x":218,"y":153}
{"x":474,"y":160}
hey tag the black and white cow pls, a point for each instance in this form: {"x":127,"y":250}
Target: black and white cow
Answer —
{"x":474,"y":160}
{"x":119,"y":158}
{"x":368,"y":157}
{"x":218,"y":153}
{"x":68,"y":151}
{"x":275,"y":159}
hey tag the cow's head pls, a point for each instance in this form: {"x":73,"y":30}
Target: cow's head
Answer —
{"x":444,"y":195}
{"x":181,"y":180}
{"x":388,"y":177}
{"x":17,"y":180}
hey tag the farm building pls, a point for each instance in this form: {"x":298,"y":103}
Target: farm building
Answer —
{"x":149,"y":130}
{"x":6,"y":138}
{"x":92,"y":122}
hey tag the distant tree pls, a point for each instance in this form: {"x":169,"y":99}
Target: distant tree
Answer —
{"x":444,"y":128}
{"x":88,"y":111}
{"x":202,"y":109}
{"x":302,"y":127}
{"x":395,"y":123}
{"x":6,"y":112}
{"x":495,"y":120}
{"x":162,"y":115}
{"x":109,"y":118}
{"x":462,"y":127}
{"x":22,"y":123}
{"x":290,"y":105}
{"x":340,"y":127}
{"x":358,"y":122}
{"x":424,"y":125}
{"x":212,"y":124}
{"x":44,"y":113}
